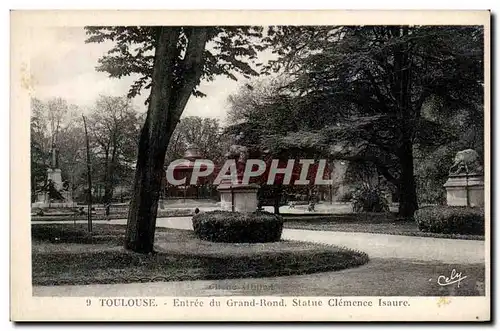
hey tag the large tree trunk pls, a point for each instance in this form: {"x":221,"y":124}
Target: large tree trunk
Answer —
{"x":166,"y":103}
{"x":407,"y":118}
{"x":407,"y":187}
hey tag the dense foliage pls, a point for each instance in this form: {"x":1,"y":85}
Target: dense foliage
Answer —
{"x":225,"y":226}
{"x":133,"y":52}
{"x":203,"y":133}
{"x":377,"y":94}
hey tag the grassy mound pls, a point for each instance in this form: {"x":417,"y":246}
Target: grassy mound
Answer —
{"x":180,"y":256}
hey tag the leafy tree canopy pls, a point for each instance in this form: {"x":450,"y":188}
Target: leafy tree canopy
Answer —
{"x":372,"y":93}
{"x":227,"y":53}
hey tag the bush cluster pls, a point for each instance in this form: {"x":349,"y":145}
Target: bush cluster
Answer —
{"x":369,"y":199}
{"x":236,"y":227}
{"x":451,"y":220}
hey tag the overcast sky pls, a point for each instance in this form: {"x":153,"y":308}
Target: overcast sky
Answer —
{"x":62,"y":65}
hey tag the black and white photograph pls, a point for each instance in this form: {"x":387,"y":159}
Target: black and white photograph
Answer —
{"x":306,"y":167}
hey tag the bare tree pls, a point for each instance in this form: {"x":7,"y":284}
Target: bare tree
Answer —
{"x":114,"y":127}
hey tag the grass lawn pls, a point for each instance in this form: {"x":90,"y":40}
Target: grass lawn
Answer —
{"x":386,"y":223}
{"x":66,"y":254}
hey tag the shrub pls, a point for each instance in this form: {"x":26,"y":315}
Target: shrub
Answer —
{"x":451,"y":220}
{"x":369,"y":199}
{"x":236,"y":227}
{"x":346,"y":197}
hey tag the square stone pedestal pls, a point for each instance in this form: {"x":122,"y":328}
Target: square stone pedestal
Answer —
{"x":462,"y":190}
{"x":243,"y":197}
{"x":55,"y":176}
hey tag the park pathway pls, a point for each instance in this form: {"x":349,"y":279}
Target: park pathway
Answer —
{"x":374,"y":244}
{"x":401,"y":247}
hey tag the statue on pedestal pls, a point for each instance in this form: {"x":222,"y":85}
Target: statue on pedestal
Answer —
{"x":55,"y":190}
{"x":465,"y":184}
{"x":239,"y":197}
{"x":238,"y":152}
{"x":54,"y":173}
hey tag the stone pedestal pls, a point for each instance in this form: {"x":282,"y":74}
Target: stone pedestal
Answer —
{"x":463,"y":190}
{"x":242,"y":197}
{"x":43,"y":201}
{"x":55,"y":176}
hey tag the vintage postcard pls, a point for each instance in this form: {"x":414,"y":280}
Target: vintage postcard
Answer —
{"x":250,"y":166}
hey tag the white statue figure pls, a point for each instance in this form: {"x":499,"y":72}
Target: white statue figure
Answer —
{"x":466,"y":161}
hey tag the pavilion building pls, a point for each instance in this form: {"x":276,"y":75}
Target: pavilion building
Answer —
{"x":203,"y":189}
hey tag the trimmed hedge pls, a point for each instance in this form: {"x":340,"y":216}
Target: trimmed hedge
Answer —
{"x":236,"y":227}
{"x":451,"y":220}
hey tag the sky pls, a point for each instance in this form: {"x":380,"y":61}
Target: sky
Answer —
{"x":63,"y":65}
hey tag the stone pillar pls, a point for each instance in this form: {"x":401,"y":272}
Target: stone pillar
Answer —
{"x":465,"y":190}
{"x":236,"y":196}
{"x":242,"y":197}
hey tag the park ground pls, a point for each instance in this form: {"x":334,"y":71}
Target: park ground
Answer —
{"x":337,"y":217}
{"x":398,"y":265}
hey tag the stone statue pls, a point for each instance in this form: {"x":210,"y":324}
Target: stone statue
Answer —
{"x":466,"y":162}
{"x":237,"y":151}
